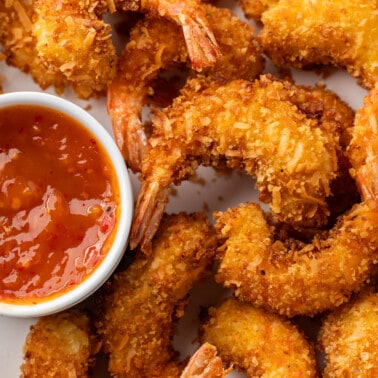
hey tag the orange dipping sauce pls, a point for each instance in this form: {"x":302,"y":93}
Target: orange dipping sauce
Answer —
{"x":58,"y":203}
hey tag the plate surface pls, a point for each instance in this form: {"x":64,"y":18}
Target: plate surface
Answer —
{"x":209,"y":192}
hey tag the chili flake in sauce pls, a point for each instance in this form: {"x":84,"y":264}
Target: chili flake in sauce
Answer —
{"x":58,"y":203}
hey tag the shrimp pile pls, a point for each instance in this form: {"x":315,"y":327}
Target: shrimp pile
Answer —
{"x":306,"y":250}
{"x":285,"y":136}
{"x":348,"y":337}
{"x":156,"y":44}
{"x":61,"y":345}
{"x":64,"y":43}
{"x":307,"y":33}
{"x":144,"y":301}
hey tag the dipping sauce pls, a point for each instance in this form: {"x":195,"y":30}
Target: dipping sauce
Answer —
{"x":58,"y":203}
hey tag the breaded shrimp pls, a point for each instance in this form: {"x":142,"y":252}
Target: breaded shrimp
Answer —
{"x":201,"y":44}
{"x":205,"y":363}
{"x":72,"y":39}
{"x":291,"y":277}
{"x":323,"y":32}
{"x":349,"y":338}
{"x":60,"y":346}
{"x":156,"y":44}
{"x":261,"y":343}
{"x":284,"y":135}
{"x":144,"y":301}
{"x":19,"y":45}
{"x":294,"y":278}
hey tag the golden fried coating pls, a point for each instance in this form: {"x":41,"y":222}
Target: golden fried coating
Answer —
{"x":349,"y":338}
{"x":201,"y":44}
{"x":19,"y":45}
{"x":363,"y":148}
{"x":322,"y":32}
{"x":157,"y":44}
{"x":283,"y":135}
{"x":291,"y":277}
{"x":144,"y":301}
{"x":261,"y":343}
{"x":60,"y":346}
{"x":72,"y":39}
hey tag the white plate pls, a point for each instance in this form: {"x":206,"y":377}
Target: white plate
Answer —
{"x":213,"y":192}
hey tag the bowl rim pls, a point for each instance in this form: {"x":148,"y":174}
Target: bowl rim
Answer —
{"x":111,"y":260}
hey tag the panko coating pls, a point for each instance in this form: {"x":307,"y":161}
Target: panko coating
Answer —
{"x":72,"y":38}
{"x":349,"y":338}
{"x":289,"y":276}
{"x":323,"y":32}
{"x":156,"y":44}
{"x":60,"y":346}
{"x":143,"y":302}
{"x":256,"y":341}
{"x":285,"y":136}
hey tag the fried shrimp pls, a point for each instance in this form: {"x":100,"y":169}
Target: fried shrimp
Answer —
{"x":319,"y":32}
{"x":201,"y":44}
{"x":144,"y":301}
{"x":261,"y":343}
{"x":19,"y":45}
{"x":294,"y":278}
{"x":157,"y":44}
{"x":72,"y":39}
{"x":282,"y":134}
{"x":288,"y":276}
{"x":349,"y":338}
{"x":59,"y":346}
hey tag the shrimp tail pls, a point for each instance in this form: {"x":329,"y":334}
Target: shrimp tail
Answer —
{"x":150,"y":207}
{"x":127,"y":127}
{"x":204,"y":363}
{"x":202,"y":46}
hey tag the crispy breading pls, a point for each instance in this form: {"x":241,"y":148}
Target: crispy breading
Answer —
{"x":261,"y":343}
{"x":285,"y":136}
{"x":289,"y":276}
{"x":143,"y":302}
{"x":349,"y":338}
{"x":156,"y":44}
{"x":60,"y":346}
{"x":322,"y":32}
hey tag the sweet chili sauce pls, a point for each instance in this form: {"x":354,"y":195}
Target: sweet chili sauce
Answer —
{"x":58,"y":203}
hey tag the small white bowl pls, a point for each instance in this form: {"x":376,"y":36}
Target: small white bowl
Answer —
{"x":112,"y":258}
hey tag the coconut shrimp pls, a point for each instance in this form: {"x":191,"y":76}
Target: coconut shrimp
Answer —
{"x":156,"y":44}
{"x":295,"y":278}
{"x":205,"y":363}
{"x":71,"y":38}
{"x":272,"y":129}
{"x":323,"y":32}
{"x":19,"y":45}
{"x":200,"y":42}
{"x":258,"y":342}
{"x":61,"y":345}
{"x":288,"y":276}
{"x":349,"y":338}
{"x":143,"y":302}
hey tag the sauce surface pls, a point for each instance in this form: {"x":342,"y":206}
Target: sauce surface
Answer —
{"x":58,"y":203}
